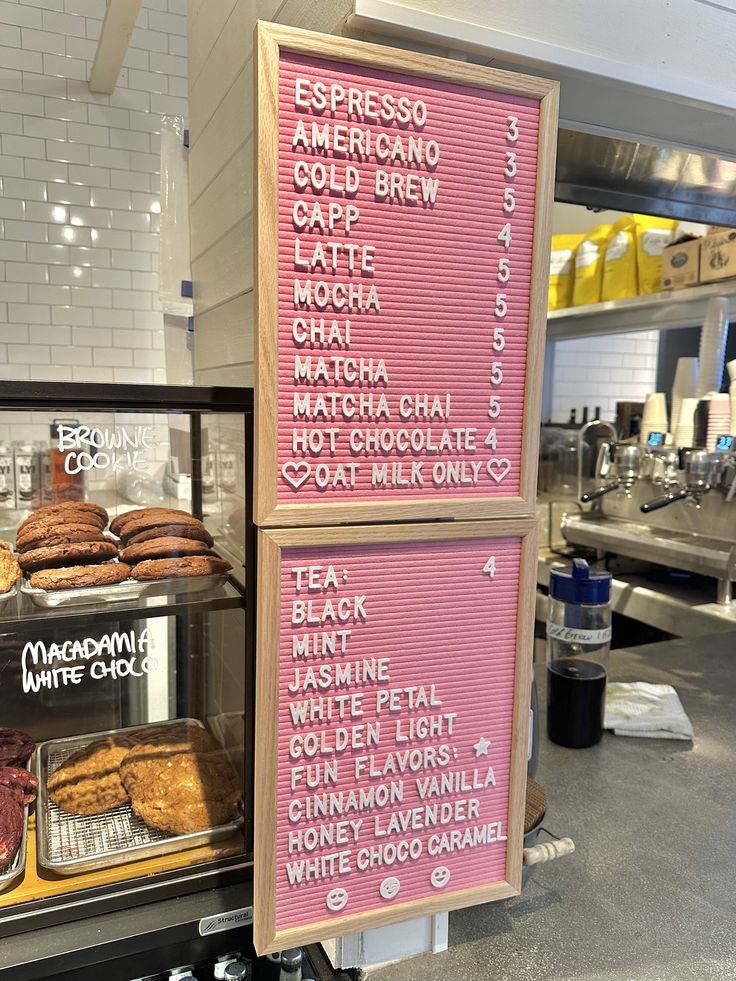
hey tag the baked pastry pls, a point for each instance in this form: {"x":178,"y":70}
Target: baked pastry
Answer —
{"x":120,"y":520}
{"x":51,"y":522}
{"x":132,"y":528}
{"x":41,"y":535}
{"x":77,"y":553}
{"x":5,"y":546}
{"x":176,"y":531}
{"x":183,"y":736}
{"x":18,"y":788}
{"x":9,"y":570}
{"x":182,"y":785}
{"x":16,"y":747}
{"x":20,"y":781}
{"x":79,"y":576}
{"x":162,"y":548}
{"x":62,"y":509}
{"x":88,"y":782}
{"x":180,"y":568}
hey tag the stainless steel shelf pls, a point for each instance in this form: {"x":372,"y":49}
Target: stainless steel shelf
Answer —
{"x":686,"y":610}
{"x":20,"y":616}
{"x":679,"y":550}
{"x":658,"y":311}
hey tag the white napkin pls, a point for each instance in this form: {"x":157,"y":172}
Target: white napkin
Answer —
{"x":640,"y":709}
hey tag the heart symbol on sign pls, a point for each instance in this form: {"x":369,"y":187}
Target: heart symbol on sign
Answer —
{"x":498,"y":467}
{"x":295,"y":473}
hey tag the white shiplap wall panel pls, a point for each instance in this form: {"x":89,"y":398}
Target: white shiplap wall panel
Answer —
{"x":224,"y":335}
{"x":206,"y":21}
{"x":227,"y":129}
{"x":221,"y":73}
{"x":233,"y":374}
{"x":225,"y":270}
{"x":225,"y":201}
{"x":231,"y":51}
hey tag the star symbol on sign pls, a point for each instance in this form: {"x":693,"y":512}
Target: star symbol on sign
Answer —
{"x":481,"y":747}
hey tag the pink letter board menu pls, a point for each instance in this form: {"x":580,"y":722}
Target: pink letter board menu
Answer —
{"x":393,"y":701}
{"x":403,"y":254}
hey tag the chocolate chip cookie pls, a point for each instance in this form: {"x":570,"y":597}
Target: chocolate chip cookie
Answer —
{"x":78,"y":553}
{"x":162,"y":548}
{"x":60,"y":511}
{"x":79,"y":576}
{"x":176,"y":531}
{"x":120,"y":520}
{"x":42,"y":535}
{"x":192,"y":565}
{"x":89,"y":781}
{"x":181,"y":786}
{"x":55,"y":521}
{"x":132,"y":528}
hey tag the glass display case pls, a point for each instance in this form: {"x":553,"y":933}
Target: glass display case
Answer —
{"x":126,"y":657}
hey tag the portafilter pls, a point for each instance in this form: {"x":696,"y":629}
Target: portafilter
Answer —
{"x":627,"y":459}
{"x":702,"y":471}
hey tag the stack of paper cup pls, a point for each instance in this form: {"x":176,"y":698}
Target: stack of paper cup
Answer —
{"x":719,"y":419}
{"x":684,"y":386}
{"x":732,"y":392}
{"x":654,"y":417}
{"x":712,"y":346}
{"x":685,"y":428}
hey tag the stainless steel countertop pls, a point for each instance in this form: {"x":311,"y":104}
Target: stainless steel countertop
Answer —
{"x":650,"y":893}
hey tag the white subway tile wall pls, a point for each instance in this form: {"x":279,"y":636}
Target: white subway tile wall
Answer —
{"x":601,"y":371}
{"x":79,"y":192}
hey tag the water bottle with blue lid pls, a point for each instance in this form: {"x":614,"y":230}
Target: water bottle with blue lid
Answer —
{"x":578,"y":646}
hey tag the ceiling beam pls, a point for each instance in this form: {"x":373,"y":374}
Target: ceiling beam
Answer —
{"x":117,"y":28}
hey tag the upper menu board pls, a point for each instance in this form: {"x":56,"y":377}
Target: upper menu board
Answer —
{"x":393,"y":701}
{"x":402,"y":270}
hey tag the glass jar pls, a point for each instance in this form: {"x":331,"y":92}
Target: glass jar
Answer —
{"x":578,"y":646}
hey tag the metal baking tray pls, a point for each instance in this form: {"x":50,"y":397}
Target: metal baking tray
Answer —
{"x":119,"y":592}
{"x":18,"y":866}
{"x":69,"y":844}
{"x":4,"y":597}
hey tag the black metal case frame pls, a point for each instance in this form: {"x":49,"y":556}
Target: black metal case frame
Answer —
{"x":213,"y":881}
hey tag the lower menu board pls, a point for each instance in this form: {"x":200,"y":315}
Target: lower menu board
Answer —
{"x":393,"y":699}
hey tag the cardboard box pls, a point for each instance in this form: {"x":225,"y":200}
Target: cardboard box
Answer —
{"x":681,"y":265}
{"x":718,"y":256}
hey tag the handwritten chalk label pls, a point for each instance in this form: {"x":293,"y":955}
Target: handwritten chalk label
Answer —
{"x":89,"y":448}
{"x":397,"y":666}
{"x":115,"y":655}
{"x":406,"y":215}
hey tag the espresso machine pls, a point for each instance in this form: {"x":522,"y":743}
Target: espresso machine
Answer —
{"x":663,"y":504}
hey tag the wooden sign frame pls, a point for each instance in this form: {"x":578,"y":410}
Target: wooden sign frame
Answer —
{"x":271,"y":544}
{"x":271,"y":40}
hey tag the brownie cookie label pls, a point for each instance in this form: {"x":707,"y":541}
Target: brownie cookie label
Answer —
{"x":91,"y":448}
{"x":114,"y":655}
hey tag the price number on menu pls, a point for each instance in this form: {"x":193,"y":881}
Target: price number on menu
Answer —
{"x":503,"y":274}
{"x":490,"y":567}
